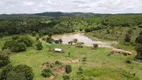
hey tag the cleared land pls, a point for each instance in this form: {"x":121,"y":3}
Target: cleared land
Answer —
{"x":99,"y":65}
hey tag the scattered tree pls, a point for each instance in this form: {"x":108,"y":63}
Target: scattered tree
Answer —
{"x":60,"y":40}
{"x":26,"y":39}
{"x":39,"y":45}
{"x":75,"y":40}
{"x":95,"y":46}
{"x":15,"y":76}
{"x":20,"y":72}
{"x":84,"y":59}
{"x":70,"y":42}
{"x":139,"y":39}
{"x":80,"y":71}
{"x":127,"y":38}
{"x":47,"y":73}
{"x":57,"y":41}
{"x":139,"y":51}
{"x":28,"y":72}
{"x":79,"y":44}
{"x":5,"y":71}
{"x":66,"y":77}
{"x":4,"y":60}
{"x":50,"y":40}
{"x":14,"y":46}
{"x":68,"y":69}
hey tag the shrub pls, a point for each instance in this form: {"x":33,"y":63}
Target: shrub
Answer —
{"x":80,"y":71}
{"x":140,"y":33}
{"x":68,"y":69}
{"x":58,"y":63}
{"x":66,"y":77}
{"x":28,"y":72}
{"x":39,"y":46}
{"x":70,"y":42}
{"x":50,"y":40}
{"x":20,"y":72}
{"x":18,"y":47}
{"x":5,"y":71}
{"x":139,"y":51}
{"x":4,"y":60}
{"x":27,"y":40}
{"x":14,"y":46}
{"x":60,"y":41}
{"x":79,"y":44}
{"x":37,"y":38}
{"x":46,"y":73}
{"x":95,"y":46}
{"x":15,"y":76}
{"x":139,"y":39}
{"x":127,"y":38}
{"x":57,"y":41}
{"x":75,"y":40}
{"x":84,"y":59}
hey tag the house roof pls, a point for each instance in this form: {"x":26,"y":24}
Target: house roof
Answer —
{"x":58,"y":49}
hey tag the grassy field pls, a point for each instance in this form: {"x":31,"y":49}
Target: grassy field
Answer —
{"x":99,"y":65}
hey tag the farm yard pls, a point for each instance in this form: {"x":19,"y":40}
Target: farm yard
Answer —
{"x":98,"y":65}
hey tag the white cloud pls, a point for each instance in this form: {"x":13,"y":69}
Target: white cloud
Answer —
{"x":96,"y":6}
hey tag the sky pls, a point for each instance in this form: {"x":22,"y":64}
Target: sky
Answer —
{"x":95,"y":6}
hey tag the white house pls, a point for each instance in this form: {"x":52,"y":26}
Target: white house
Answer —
{"x":58,"y":50}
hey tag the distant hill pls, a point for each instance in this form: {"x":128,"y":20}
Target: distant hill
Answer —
{"x":57,"y":15}
{"x":63,"y":14}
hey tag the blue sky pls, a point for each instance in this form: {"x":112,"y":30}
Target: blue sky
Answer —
{"x":95,"y":6}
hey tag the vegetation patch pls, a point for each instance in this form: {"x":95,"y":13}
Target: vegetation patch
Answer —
{"x":102,"y":72}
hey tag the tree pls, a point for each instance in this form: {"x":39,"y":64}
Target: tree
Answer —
{"x":18,"y":47}
{"x":5,"y":71}
{"x":57,"y":41}
{"x":14,"y":46}
{"x":60,"y":40}
{"x":50,"y":35}
{"x":39,"y":45}
{"x":66,"y":77}
{"x":139,"y":51}
{"x":70,"y":42}
{"x":15,"y":76}
{"x":68,"y":69}
{"x":80,"y":71}
{"x":20,"y":72}
{"x":95,"y":46}
{"x":140,"y":33}
{"x":130,"y":31}
{"x":139,"y":39}
{"x":28,"y":72}
{"x":50,"y":40}
{"x":79,"y":44}
{"x":4,"y":60}
{"x":46,"y":73}
{"x":84,"y":59}
{"x":75,"y":40}
{"x":26,"y":39}
{"x":127,"y":38}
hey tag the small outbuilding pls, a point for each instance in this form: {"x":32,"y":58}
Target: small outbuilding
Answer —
{"x":58,"y":50}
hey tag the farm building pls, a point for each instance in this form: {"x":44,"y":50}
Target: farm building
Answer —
{"x":57,"y":50}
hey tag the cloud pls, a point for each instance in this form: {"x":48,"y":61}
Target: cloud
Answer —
{"x":96,"y":6}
